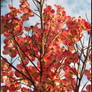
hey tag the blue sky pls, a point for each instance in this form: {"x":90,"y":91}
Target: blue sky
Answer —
{"x":73,"y":8}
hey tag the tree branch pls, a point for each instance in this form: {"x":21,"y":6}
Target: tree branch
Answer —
{"x":19,"y":71}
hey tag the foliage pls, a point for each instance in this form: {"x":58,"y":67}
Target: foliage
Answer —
{"x":53,"y":44}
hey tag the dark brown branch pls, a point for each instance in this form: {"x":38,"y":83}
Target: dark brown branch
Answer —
{"x":83,"y":67}
{"x":19,"y":72}
{"x":25,"y":54}
{"x":24,"y":64}
{"x":84,"y":85}
{"x":42,"y":40}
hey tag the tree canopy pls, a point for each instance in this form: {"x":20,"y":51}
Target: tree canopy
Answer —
{"x":50,"y":56}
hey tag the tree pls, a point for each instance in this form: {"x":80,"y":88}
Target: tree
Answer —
{"x":55,"y":43}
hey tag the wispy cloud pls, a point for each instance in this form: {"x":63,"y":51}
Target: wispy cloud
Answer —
{"x":77,"y":7}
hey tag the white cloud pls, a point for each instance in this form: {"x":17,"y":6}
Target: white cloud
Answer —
{"x":76,"y":7}
{"x":89,"y":1}
{"x":51,"y":2}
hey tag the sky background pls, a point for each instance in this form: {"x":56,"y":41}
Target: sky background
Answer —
{"x":73,"y":8}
